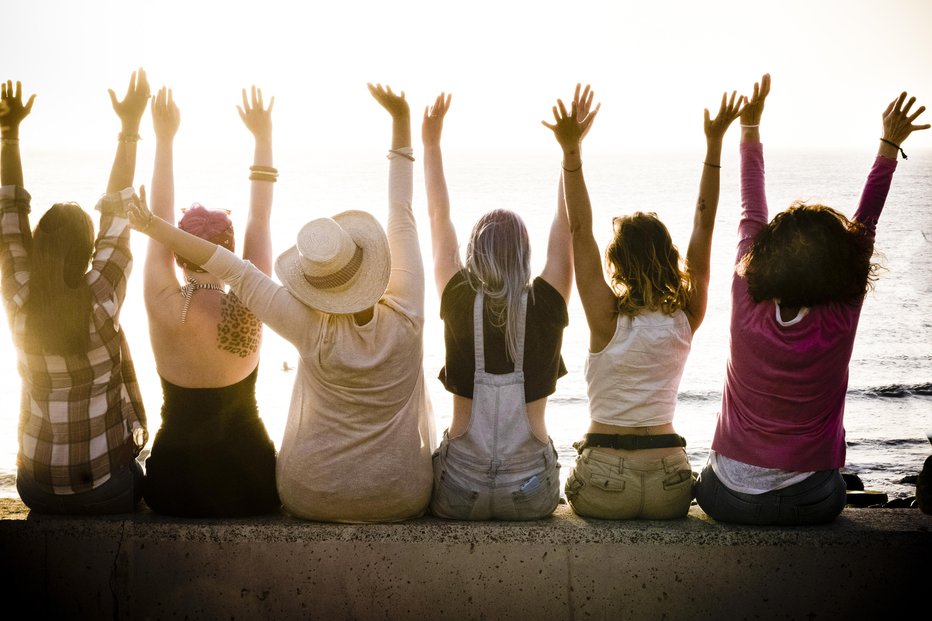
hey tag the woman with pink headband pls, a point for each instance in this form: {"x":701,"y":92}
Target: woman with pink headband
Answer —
{"x":212,"y":456}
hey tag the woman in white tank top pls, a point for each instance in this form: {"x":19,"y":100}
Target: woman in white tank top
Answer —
{"x":632,"y":463}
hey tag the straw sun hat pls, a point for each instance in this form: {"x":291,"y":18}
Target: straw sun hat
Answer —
{"x":339,"y":265}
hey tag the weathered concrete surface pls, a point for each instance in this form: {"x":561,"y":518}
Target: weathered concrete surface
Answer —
{"x":142,"y":566}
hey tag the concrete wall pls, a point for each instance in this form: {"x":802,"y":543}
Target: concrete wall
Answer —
{"x":867,"y":564}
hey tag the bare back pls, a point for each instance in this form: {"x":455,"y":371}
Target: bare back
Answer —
{"x":216,"y":346}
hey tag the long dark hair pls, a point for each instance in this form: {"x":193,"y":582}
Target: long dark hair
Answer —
{"x":809,"y":255}
{"x":59,"y":304}
{"x":645,"y":266}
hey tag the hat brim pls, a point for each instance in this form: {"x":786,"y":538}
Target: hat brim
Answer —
{"x":364,"y":289}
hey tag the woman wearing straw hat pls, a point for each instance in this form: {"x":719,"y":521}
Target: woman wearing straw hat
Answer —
{"x":212,"y":456}
{"x":503,"y":333}
{"x":357,"y":444}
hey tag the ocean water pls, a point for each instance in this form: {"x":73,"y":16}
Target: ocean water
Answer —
{"x":890,"y":390}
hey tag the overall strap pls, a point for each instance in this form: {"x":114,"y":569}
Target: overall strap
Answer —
{"x":522,"y":321}
{"x":477,"y":333}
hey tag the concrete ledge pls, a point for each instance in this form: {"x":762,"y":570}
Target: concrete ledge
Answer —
{"x":144,"y":566}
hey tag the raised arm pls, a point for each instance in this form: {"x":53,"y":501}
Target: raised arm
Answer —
{"x":12,"y":113}
{"x":753,"y":199}
{"x":130,"y":111}
{"x":599,"y":302}
{"x":159,"y":273}
{"x":15,"y":234}
{"x":257,"y":246}
{"x":699,"y":253}
{"x":406,"y":283}
{"x":445,"y":246}
{"x":898,"y":124}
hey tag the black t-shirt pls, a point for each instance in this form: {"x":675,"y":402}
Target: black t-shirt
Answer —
{"x":543,"y":337}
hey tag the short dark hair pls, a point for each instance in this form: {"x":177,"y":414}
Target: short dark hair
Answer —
{"x":809,"y":255}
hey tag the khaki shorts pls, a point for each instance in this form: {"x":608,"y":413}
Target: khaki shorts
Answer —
{"x":604,"y":485}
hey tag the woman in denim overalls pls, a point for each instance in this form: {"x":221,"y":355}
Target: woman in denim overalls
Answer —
{"x":503,"y":335}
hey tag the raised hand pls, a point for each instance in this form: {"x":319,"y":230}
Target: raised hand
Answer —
{"x":256,"y":117}
{"x":165,"y":115}
{"x":133,"y":105}
{"x":432,"y":126}
{"x":898,"y":122}
{"x":570,"y":128}
{"x":729,"y":110}
{"x":754,"y":105}
{"x":395,"y":104}
{"x":12,"y":109}
{"x":137,"y":211}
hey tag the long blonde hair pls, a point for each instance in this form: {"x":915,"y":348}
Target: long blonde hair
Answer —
{"x":59,"y":304}
{"x":645,"y":266}
{"x":498,"y":262}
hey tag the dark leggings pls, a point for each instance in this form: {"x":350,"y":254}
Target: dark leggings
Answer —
{"x":816,"y":500}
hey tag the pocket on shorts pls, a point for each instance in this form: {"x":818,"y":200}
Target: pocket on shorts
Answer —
{"x":573,"y":485}
{"x":451,"y":500}
{"x":537,"y":496}
{"x":678,"y":480}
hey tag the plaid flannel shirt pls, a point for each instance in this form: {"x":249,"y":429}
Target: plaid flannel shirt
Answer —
{"x":81,"y":416}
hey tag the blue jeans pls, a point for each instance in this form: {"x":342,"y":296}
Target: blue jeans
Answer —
{"x":817,"y":500}
{"x":120,"y":494}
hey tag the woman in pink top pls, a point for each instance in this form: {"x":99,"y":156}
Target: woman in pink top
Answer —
{"x":632,"y":463}
{"x":796,"y":298}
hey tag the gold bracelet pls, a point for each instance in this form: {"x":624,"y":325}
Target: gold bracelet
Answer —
{"x":128,"y":137}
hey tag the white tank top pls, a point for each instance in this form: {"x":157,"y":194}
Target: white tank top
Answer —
{"x":633,"y":382}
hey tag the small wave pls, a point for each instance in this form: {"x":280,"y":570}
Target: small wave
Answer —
{"x":895,"y":442}
{"x":894,"y":391}
{"x":700,"y":395}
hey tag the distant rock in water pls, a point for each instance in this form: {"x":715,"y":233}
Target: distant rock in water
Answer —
{"x":909,"y":480}
{"x":853,"y":482}
{"x":924,"y":487}
{"x":898,"y":390}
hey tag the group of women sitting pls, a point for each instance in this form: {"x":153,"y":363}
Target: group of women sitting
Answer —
{"x":359,"y":444}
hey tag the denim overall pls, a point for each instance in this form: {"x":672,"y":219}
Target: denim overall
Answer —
{"x":497,"y":469}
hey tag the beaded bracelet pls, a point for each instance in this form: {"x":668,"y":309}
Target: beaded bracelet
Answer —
{"x":122,"y":137}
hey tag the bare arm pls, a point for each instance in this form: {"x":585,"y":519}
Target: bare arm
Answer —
{"x":558,"y":270}
{"x":257,"y":246}
{"x":159,"y":271}
{"x":598,"y":299}
{"x":442,"y":232}
{"x":130,"y":111}
{"x":12,"y":113}
{"x":699,"y":253}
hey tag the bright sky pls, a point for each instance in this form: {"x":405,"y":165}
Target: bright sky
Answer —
{"x":654,"y":66}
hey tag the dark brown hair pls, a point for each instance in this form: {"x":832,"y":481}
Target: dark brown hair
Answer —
{"x":809,"y":255}
{"x":645,"y":267}
{"x":59,"y":304}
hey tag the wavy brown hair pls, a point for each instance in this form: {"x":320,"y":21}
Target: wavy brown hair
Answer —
{"x":645,"y":266}
{"x":59,"y":304}
{"x":810,"y":255}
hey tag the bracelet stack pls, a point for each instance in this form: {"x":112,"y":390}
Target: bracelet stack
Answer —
{"x":263,"y":173}
{"x":895,"y":146}
{"x":123,"y":137}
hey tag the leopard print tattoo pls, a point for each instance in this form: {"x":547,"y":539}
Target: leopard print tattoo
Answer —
{"x":239,"y":331}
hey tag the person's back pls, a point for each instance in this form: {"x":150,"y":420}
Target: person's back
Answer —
{"x":503,"y":336}
{"x":212,"y":455}
{"x":82,"y":421}
{"x":797,"y":292}
{"x":632,"y":463}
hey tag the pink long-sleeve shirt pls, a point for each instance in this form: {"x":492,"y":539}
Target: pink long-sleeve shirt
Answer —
{"x":784,"y":399}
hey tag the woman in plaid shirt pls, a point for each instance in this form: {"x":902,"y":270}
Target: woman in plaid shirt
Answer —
{"x":81,"y":417}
